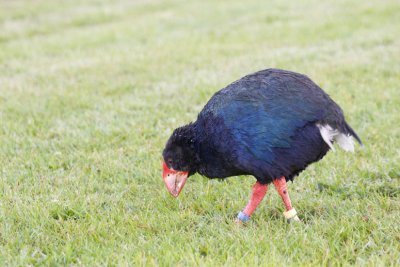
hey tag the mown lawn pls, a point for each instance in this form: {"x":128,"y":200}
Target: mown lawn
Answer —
{"x":91,"y":90}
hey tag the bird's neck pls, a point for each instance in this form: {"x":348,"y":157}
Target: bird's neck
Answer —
{"x":197,"y":150}
{"x":191,"y":134}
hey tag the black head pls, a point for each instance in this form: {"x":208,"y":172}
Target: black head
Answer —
{"x":180,"y":152}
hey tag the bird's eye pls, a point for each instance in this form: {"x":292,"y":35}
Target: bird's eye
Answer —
{"x":169,"y":161}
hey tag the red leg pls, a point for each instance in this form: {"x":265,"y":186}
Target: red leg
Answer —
{"x":281,"y":187}
{"x":258,"y":193}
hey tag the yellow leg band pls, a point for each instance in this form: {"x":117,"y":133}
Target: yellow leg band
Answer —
{"x":291,"y":215}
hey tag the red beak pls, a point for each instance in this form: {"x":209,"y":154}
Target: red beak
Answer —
{"x":174,"y":180}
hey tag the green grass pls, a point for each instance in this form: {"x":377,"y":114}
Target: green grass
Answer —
{"x":91,"y":90}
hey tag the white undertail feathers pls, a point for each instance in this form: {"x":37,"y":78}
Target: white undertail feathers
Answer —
{"x":331,"y":135}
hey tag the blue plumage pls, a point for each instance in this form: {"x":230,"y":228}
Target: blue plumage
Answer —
{"x":265,"y":124}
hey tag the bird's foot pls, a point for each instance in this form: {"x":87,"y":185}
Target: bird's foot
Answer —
{"x":294,"y":219}
{"x":238,"y":222}
{"x":241,"y":218}
{"x":291,"y":216}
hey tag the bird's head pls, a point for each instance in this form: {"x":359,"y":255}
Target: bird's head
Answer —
{"x":179,"y":159}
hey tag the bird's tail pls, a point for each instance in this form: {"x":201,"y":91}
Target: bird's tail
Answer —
{"x":342,"y":137}
{"x":352,"y":133}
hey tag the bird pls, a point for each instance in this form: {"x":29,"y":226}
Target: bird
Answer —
{"x":270,"y":124}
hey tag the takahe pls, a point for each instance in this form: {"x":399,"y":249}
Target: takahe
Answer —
{"x":270,"y":124}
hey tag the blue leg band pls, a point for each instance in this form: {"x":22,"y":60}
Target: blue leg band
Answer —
{"x":243,"y":217}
